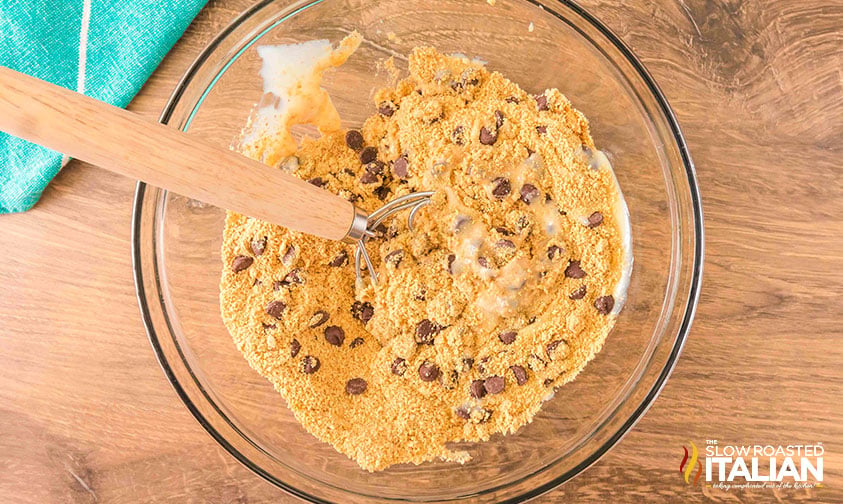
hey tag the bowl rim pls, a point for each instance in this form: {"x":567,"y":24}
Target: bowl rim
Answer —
{"x":684,"y":327}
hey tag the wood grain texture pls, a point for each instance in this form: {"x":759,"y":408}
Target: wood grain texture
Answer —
{"x":87,"y":416}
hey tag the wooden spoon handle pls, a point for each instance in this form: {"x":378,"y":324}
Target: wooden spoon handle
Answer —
{"x":123,"y":142}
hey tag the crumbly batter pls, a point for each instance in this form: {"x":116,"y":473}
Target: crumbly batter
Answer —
{"x":503,"y":291}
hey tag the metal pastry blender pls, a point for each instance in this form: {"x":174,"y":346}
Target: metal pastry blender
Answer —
{"x":122,"y":142}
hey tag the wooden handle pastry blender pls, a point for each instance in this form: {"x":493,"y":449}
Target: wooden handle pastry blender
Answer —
{"x":121,"y":141}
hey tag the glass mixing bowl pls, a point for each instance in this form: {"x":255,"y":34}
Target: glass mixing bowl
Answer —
{"x":176,"y":242}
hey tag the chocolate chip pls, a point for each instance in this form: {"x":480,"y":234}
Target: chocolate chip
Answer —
{"x":480,"y":415}
{"x":482,"y":364}
{"x":463,"y":413}
{"x":289,"y":254}
{"x":494,"y":384}
{"x":375,"y":167}
{"x":310,"y":364}
{"x":381,"y":192}
{"x":340,"y":260}
{"x":554,"y":251}
{"x":578,"y":294}
{"x":508,"y":337}
{"x":394,"y":257}
{"x":541,"y":130}
{"x":317,"y":181}
{"x":354,"y":140}
{"x":553,"y":345}
{"x":529,"y":193}
{"x":604,"y":304}
{"x":293,"y":277}
{"x":476,"y":389}
{"x":541,"y":102}
{"x":520,"y":374}
{"x":240,"y":263}
{"x":505,"y":244}
{"x":501,"y":187}
{"x":449,"y":380}
{"x":451,"y":259}
{"x":428,"y":371}
{"x":595,"y":219}
{"x":512,"y":99}
{"x":381,"y":231}
{"x":335,"y":335}
{"x":295,"y":346}
{"x":487,"y":137}
{"x":573,"y":270}
{"x":355,"y":386}
{"x":483,"y":262}
{"x":268,"y":326}
{"x":426,"y":332}
{"x":467,"y":363}
{"x":318,"y":318}
{"x":458,"y":135}
{"x":356,"y":342}
{"x":369,"y":178}
{"x":401,"y":167}
{"x":399,"y":366}
{"x":275,"y":309}
{"x":362,"y":311}
{"x":536,"y":363}
{"x":504,"y":231}
{"x":498,"y":118}
{"x":460,"y":222}
{"x":258,"y":246}
{"x":368,"y":155}
{"x":386,"y":109}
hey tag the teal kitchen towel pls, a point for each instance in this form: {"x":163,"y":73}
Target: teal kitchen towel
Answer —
{"x":105,"y":49}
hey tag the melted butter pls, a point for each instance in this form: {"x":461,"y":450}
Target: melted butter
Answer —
{"x":506,"y":294}
{"x":548,"y":217}
{"x":293,"y":94}
{"x":514,"y":276}
{"x":470,"y":238}
{"x":532,"y":168}
{"x":515,"y":283}
{"x":598,"y":160}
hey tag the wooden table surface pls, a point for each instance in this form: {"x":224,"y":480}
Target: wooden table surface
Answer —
{"x":86,"y":414}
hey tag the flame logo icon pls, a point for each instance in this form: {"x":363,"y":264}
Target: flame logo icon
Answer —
{"x":686,"y":467}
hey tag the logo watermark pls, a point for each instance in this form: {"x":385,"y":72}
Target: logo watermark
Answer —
{"x":728,"y":466}
{"x":686,"y":467}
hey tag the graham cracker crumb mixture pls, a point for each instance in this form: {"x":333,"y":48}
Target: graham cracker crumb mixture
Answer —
{"x":503,"y":292}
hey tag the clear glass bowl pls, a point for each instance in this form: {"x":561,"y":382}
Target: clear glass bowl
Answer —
{"x":176,"y":242}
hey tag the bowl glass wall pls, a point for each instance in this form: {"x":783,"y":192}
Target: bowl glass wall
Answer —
{"x":177,"y":242}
